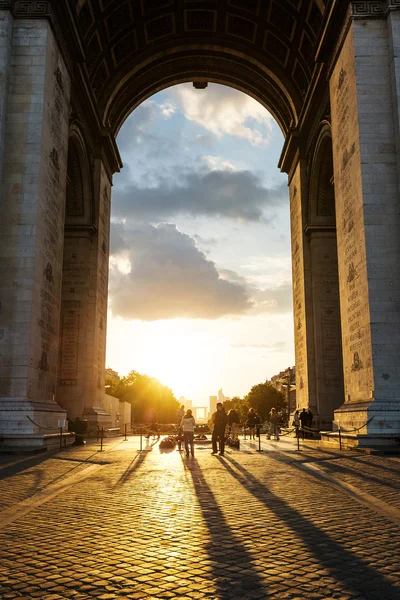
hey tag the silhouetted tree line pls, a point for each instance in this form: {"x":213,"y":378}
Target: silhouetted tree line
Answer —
{"x":145,"y":394}
{"x":262,"y":397}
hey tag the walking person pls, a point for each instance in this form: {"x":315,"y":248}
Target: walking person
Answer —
{"x":188,"y":424}
{"x":273,"y":425}
{"x":153,"y":427}
{"x":252,"y":421}
{"x":218,"y":434}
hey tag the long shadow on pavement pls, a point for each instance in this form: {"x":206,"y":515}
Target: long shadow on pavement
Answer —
{"x":346,"y":567}
{"x":334,"y":468}
{"x":136,"y":462}
{"x":233,"y":571}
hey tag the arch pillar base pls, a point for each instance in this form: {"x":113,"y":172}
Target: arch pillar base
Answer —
{"x":29,"y":425}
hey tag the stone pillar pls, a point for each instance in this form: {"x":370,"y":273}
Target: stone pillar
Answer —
{"x":326,"y":324}
{"x":31,"y":229}
{"x":364,"y":101}
{"x":302,"y":294}
{"x":6,"y":31}
{"x":84,"y":302}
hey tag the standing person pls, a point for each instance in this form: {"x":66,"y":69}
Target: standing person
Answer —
{"x":218,"y":434}
{"x":233,"y":422}
{"x":252,"y":421}
{"x":179,"y":414}
{"x":310,"y":418}
{"x":153,"y":427}
{"x":273,"y":425}
{"x":188,"y":424}
{"x":296,"y":420}
{"x":303,"y":420}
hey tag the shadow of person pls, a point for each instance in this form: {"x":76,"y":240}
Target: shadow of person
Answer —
{"x":344,"y":565}
{"x":233,"y":571}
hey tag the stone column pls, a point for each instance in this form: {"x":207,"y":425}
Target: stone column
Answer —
{"x":302,"y":294}
{"x":31,"y":230}
{"x":84,"y":306}
{"x":326,"y":324}
{"x":364,"y":121}
{"x":6,"y":30}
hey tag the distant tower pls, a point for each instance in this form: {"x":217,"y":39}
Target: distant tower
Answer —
{"x":221,"y":396}
{"x":213,"y":404}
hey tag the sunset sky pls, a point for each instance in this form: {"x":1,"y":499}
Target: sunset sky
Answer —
{"x":200,"y":271}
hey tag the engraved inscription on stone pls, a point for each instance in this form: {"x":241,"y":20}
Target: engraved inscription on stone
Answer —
{"x":69,"y":348}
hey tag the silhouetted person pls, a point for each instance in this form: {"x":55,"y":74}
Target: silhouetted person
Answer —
{"x":310,"y":418}
{"x":188,"y":424}
{"x":179,"y":414}
{"x":252,"y":421}
{"x":274,"y":421}
{"x":153,"y":429}
{"x":218,"y":434}
{"x":303,"y":419}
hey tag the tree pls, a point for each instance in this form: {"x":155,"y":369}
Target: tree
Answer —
{"x":240,"y":405}
{"x":146,"y":393}
{"x":264,"y":396}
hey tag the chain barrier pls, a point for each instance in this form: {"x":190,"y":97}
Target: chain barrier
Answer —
{"x":41,"y":426}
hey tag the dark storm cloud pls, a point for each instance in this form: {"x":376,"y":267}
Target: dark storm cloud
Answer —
{"x":169,"y":277}
{"x":237,"y":195}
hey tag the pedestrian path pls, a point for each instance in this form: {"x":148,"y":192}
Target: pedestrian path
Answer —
{"x":128,"y":524}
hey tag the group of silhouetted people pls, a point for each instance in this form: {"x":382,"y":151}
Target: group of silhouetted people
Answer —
{"x":220,"y":420}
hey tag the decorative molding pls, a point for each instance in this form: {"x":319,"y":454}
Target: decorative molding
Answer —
{"x":31,"y":9}
{"x":369,"y":9}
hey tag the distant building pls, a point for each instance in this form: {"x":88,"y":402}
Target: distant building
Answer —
{"x":221,"y":396}
{"x":112,"y":375}
{"x":281,"y":381}
{"x":186,"y":403}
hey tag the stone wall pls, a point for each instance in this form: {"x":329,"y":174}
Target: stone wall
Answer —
{"x":35,"y":127}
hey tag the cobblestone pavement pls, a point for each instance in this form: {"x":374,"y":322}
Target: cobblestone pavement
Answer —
{"x":127,"y":524}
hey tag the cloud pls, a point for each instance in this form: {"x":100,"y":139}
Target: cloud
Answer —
{"x":278,"y":347}
{"x":276,"y":300}
{"x":216,"y":163}
{"x":168,"y":277}
{"x":223,"y":110}
{"x":158,"y":272}
{"x":237,"y":195}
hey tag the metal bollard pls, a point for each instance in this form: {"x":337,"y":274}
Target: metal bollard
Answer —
{"x":125,"y":432}
{"x":141,"y":439}
{"x":340,"y":439}
{"x":61,"y":432}
{"x":101,"y":438}
{"x":298,"y":437}
{"x":259,"y":437}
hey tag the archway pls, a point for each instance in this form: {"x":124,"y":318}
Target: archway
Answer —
{"x":308,"y":62}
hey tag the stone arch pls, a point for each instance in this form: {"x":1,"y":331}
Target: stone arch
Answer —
{"x":322,"y":194}
{"x":194,"y":64}
{"x":324,"y":282}
{"x":79,"y":200}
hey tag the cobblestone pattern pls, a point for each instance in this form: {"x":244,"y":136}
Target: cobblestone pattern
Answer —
{"x":157,"y":525}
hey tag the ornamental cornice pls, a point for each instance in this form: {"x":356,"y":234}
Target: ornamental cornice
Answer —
{"x":367,"y":9}
{"x":30,"y":9}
